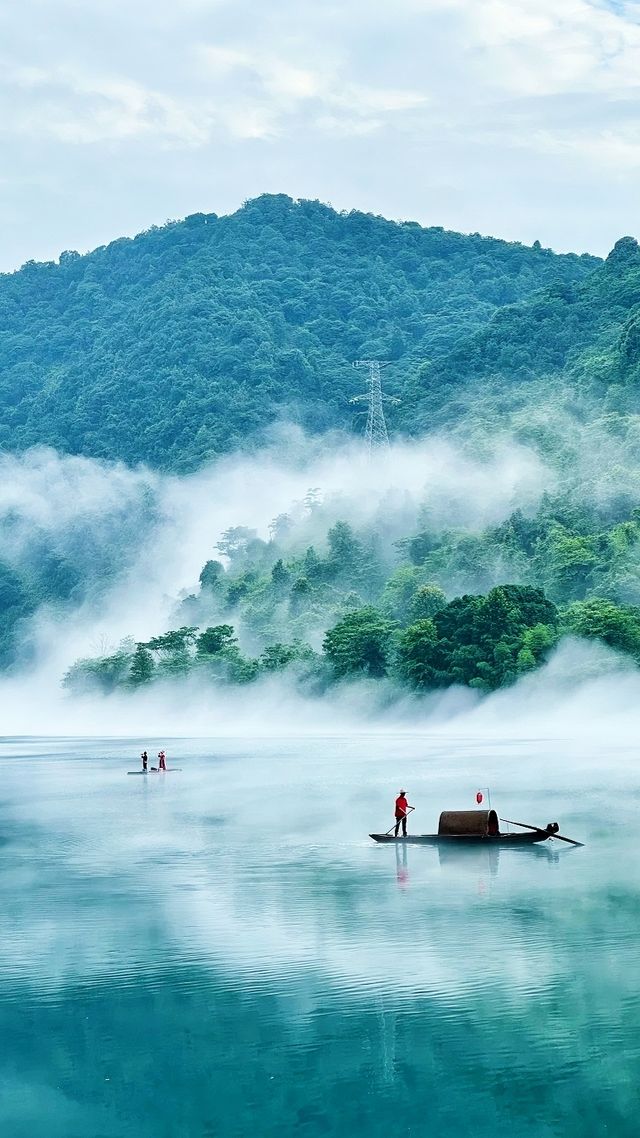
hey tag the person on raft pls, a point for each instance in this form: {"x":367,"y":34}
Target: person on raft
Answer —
{"x":162,"y":761}
{"x":145,"y":761}
{"x":402,"y":809}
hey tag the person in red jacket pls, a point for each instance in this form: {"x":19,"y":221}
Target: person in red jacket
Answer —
{"x":402,"y":809}
{"x":162,"y":761}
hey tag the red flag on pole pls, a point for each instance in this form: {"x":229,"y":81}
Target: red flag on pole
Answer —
{"x":479,"y":797}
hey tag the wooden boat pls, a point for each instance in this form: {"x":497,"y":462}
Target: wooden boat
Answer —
{"x":472,"y":827}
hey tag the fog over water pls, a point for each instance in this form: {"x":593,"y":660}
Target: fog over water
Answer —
{"x":223,"y":949}
{"x":302,"y":804}
{"x":160,"y":530}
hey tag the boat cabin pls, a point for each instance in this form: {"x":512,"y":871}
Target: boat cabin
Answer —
{"x":480,"y":823}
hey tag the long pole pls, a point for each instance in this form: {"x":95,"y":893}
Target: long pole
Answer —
{"x":539,"y":830}
{"x":409,"y":809}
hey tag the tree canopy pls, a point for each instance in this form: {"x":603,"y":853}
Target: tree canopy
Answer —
{"x":354,"y":608}
{"x":184,"y":342}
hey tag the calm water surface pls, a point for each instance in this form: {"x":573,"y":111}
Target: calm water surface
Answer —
{"x":222,"y":951}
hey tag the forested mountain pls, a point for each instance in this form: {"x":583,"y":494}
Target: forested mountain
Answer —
{"x":182,"y":343}
{"x":581,"y":337}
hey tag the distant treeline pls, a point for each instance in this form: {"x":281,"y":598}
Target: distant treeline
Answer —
{"x":343,"y":611}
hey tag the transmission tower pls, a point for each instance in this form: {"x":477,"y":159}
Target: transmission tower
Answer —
{"x":376,"y":429}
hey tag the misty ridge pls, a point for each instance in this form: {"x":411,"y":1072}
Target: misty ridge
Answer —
{"x":405,"y":588}
{"x":187,"y":502}
{"x":193,"y":339}
{"x":186,"y":342}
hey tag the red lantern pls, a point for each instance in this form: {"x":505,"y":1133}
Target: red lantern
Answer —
{"x":479,"y":797}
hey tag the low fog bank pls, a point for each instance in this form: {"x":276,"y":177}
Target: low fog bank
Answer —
{"x":134,"y":541}
{"x":150,"y":535}
{"x":308,"y":893}
{"x":585,"y":691}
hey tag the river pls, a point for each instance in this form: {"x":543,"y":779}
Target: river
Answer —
{"x":222,"y":951}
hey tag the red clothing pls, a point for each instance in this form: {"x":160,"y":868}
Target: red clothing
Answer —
{"x":401,"y":806}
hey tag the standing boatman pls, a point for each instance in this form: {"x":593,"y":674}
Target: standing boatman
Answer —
{"x":145,"y":761}
{"x":402,"y":809}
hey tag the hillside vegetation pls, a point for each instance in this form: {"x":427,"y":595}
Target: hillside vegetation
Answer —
{"x":184,"y":342}
{"x":573,"y":346}
{"x":353,"y":605}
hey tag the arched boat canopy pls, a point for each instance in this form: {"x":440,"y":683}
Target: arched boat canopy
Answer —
{"x":483,"y":823}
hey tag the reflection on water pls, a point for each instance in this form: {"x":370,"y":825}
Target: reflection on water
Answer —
{"x":226,"y":954}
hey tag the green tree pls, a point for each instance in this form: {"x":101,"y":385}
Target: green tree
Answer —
{"x":280,"y":575}
{"x":566,"y":562}
{"x":280,"y":527}
{"x":239,"y":589}
{"x":235,"y":541}
{"x":211,"y":575}
{"x":216,"y":639}
{"x":416,"y":657}
{"x":174,"y":650}
{"x":480,"y":638}
{"x":537,"y":642}
{"x":219,"y":657}
{"x":419,"y":547}
{"x":616,"y":625}
{"x":345,"y":553}
{"x":15,"y":603}
{"x":426,"y":602}
{"x":361,"y":642}
{"x":277,"y":657}
{"x":300,"y":595}
{"x":142,"y":666}
{"x":398,"y":593}
{"x":312,"y":565}
{"x":104,"y":674}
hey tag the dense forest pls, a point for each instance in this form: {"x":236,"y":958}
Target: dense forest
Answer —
{"x":572,"y":351}
{"x":353,"y":605}
{"x":185,"y":342}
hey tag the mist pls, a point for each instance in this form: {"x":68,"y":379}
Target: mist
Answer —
{"x":139,"y":541}
{"x":334,"y":790}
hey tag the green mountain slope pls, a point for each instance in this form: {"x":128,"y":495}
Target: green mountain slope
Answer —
{"x":581,"y":340}
{"x":184,"y":342}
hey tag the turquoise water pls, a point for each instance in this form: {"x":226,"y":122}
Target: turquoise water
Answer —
{"x":222,"y":951}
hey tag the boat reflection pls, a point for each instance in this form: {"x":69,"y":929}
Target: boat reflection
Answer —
{"x":477,"y":859}
{"x":402,"y":865}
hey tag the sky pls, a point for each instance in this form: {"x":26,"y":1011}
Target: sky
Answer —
{"x":515,"y":118}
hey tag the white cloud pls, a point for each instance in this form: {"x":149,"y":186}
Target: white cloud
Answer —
{"x":221,"y":62}
{"x":283,"y":89}
{"x":74,"y":107}
{"x":540,"y":47}
{"x":246,"y":94}
{"x":616,"y":148}
{"x":457,"y":112}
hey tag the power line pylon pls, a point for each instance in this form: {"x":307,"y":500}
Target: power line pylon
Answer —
{"x":375,"y":433}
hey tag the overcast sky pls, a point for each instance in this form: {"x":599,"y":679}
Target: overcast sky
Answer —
{"x":518,"y":118}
